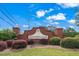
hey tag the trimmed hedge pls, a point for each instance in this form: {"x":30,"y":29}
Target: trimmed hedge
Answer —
{"x":55,"y":41}
{"x":70,"y":42}
{"x":9,"y":43}
{"x":44,"y":41}
{"x":77,"y":35}
{"x":18,"y":44}
{"x":3,"y":45}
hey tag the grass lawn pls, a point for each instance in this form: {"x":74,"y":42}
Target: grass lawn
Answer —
{"x":42,"y":52}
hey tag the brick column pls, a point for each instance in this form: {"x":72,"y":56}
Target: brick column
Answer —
{"x":25,"y":35}
{"x":59,"y":32}
{"x":17,"y":31}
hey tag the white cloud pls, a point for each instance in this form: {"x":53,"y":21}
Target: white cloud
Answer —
{"x":56,"y":22}
{"x":64,"y":27}
{"x":16,"y":25}
{"x":72,"y":21}
{"x":38,"y":24}
{"x":25,"y":26}
{"x":42,"y":13}
{"x":51,"y":22}
{"x":67,"y":5}
{"x":51,"y":9}
{"x":59,"y":16}
{"x":71,"y":26}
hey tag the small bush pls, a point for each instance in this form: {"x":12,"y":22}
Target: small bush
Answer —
{"x":70,"y":42}
{"x":3,"y":45}
{"x":18,"y":44}
{"x":55,"y":41}
{"x":9,"y":43}
{"x":44,"y":41}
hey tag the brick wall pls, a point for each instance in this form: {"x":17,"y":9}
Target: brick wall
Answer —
{"x":43,"y":30}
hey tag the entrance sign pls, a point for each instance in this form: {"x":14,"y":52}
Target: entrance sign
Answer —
{"x":38,"y":35}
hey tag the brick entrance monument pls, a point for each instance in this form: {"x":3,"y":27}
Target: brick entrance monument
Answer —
{"x":34,"y":33}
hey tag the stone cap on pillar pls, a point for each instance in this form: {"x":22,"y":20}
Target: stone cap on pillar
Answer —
{"x":59,"y":28}
{"x":16,"y":29}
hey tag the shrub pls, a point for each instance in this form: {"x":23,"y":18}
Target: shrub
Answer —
{"x":44,"y":41}
{"x":9,"y":43}
{"x":18,"y":44}
{"x":7,"y":34}
{"x":3,"y":45}
{"x":55,"y":41}
{"x":70,"y":42}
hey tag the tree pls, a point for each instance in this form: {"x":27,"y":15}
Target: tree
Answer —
{"x":7,"y":34}
{"x":70,"y":32}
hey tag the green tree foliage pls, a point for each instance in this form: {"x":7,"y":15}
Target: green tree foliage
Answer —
{"x":70,"y":32}
{"x":7,"y":34}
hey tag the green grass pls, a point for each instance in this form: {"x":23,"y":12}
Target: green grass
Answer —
{"x":42,"y":52}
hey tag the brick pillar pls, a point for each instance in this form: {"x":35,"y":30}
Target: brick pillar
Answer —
{"x":59,"y":32}
{"x":25,"y":35}
{"x":17,"y":31}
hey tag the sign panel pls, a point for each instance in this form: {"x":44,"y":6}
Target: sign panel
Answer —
{"x":38,"y":35}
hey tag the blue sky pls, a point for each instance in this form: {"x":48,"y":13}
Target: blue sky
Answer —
{"x":28,"y":15}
